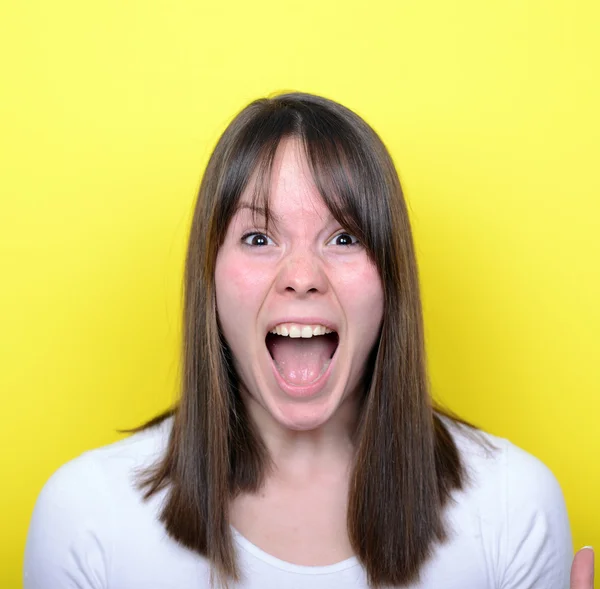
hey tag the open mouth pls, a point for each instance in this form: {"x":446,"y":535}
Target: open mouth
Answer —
{"x":302,"y":358}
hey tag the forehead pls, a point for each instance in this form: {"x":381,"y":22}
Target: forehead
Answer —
{"x":290,"y":189}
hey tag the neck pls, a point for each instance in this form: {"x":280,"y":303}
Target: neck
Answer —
{"x":303,"y":453}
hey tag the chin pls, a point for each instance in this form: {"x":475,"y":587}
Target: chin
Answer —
{"x":303,"y":416}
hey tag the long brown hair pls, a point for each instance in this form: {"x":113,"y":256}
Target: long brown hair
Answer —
{"x":406,"y":462}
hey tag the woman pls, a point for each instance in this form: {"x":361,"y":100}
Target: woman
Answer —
{"x":305,"y":450}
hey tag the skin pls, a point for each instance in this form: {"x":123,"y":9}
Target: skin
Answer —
{"x":302,"y":270}
{"x":582,"y":571}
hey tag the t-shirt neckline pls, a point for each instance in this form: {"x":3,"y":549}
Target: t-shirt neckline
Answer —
{"x":288,"y":566}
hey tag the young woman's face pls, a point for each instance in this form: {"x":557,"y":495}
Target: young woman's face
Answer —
{"x":305,"y":277}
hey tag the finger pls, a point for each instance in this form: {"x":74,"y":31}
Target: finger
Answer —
{"x":582,"y":571}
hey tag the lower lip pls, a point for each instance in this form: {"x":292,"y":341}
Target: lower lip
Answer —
{"x":314,"y":388}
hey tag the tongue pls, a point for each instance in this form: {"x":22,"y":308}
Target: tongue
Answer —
{"x":301,"y":361}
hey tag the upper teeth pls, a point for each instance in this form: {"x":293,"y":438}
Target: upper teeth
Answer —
{"x":298,"y":330}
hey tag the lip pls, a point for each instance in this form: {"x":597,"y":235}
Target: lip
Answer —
{"x":304,"y":321}
{"x":313,"y":388}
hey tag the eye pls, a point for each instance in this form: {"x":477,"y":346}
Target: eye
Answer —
{"x":256,"y":240}
{"x":344,"y":239}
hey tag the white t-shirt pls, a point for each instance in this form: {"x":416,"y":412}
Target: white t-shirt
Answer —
{"x":91,"y":530}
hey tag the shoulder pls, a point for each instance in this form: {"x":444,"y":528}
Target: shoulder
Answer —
{"x":131,"y":454}
{"x":108,"y":469}
{"x":498,"y":466}
{"x":520,"y":507}
{"x":72,"y":527}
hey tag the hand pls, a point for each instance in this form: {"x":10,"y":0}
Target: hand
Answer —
{"x":582,"y":571}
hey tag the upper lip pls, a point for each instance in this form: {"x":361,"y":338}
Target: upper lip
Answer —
{"x":303,"y":321}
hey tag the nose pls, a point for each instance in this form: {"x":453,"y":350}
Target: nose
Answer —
{"x":303,"y":274}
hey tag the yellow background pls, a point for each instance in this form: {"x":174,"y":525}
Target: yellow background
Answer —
{"x":109,"y":111}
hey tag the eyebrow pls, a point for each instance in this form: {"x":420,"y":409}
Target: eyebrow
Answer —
{"x":257,"y":210}
{"x":260,"y":211}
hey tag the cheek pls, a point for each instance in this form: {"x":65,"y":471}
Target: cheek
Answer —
{"x":240,"y":288}
{"x":363,"y":300}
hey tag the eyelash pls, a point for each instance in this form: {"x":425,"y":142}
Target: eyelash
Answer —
{"x":356,"y":242}
{"x":253,"y":233}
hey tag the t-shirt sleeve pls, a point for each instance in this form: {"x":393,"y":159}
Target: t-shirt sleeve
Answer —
{"x":67,"y":540}
{"x":537,"y":536}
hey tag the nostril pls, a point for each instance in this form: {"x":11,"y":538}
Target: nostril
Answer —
{"x":292,"y":289}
